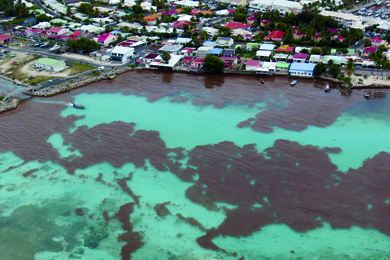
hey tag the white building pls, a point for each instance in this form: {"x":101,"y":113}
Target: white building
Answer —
{"x":203,"y":51}
{"x":122,"y":53}
{"x":282,"y":5}
{"x":348,"y":20}
{"x":50,"y":64}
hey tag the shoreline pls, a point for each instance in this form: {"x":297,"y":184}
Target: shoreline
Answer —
{"x":81,"y":81}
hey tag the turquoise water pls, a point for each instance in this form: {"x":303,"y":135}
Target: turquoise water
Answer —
{"x":75,"y":215}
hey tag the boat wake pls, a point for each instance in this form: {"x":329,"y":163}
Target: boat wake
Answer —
{"x":66,"y":103}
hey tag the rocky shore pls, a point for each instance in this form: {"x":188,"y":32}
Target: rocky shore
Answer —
{"x":8,"y":105}
{"x":75,"y":83}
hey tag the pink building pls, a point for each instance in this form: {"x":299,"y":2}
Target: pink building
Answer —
{"x":56,"y":31}
{"x":106,"y":38}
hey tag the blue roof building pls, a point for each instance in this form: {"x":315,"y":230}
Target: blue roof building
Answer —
{"x":302,"y":69}
{"x":29,"y":22}
{"x":216,"y":51}
{"x":209,"y":43}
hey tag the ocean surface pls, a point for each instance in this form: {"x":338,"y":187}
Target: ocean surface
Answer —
{"x":163,"y":165}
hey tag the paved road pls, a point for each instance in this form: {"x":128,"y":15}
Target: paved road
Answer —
{"x":38,"y":3}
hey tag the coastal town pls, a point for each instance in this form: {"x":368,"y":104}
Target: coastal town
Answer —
{"x":46,"y":45}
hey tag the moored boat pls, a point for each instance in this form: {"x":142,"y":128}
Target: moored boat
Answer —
{"x":327,"y":88}
{"x":78,"y":106}
{"x":262,"y":81}
{"x":366,"y":94}
{"x":294,"y":82}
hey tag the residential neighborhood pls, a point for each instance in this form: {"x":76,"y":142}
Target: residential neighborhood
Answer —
{"x":260,"y":37}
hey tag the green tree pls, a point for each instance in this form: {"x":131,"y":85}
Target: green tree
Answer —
{"x":213,"y":64}
{"x":165,"y":56}
{"x":315,"y":50}
{"x":85,"y":8}
{"x":367,"y":42}
{"x":83,"y":45}
{"x":239,"y":17}
{"x":350,"y":67}
{"x":334,"y":70}
{"x":319,"y":69}
{"x":43,"y":18}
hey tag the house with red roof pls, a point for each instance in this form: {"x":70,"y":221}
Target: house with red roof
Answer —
{"x":106,"y":38}
{"x":170,"y":12}
{"x":180,"y":24}
{"x":234,"y":25}
{"x":297,"y":35}
{"x":262,"y":22}
{"x":186,"y":61}
{"x":251,"y":20}
{"x":5,"y":38}
{"x":275,"y":36}
{"x":252,"y":65}
{"x":300,"y":57}
{"x":57,"y":31}
{"x":338,"y":37}
{"x":370,"y":49}
{"x":377,"y":41}
{"x":32,"y":32}
{"x":75,"y":35}
{"x":318,"y":37}
{"x":198,"y":62}
{"x":285,"y":48}
{"x":150,"y":57}
{"x":229,"y":62}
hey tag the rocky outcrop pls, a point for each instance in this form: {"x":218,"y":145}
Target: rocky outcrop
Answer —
{"x":8,"y":105}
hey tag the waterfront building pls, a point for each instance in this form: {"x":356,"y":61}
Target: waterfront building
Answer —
{"x":122,"y":53}
{"x":50,"y":64}
{"x":300,"y":57}
{"x":282,"y":67}
{"x":252,"y":65}
{"x":302,"y":69}
{"x":315,"y":58}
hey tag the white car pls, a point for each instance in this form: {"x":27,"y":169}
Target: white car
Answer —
{"x":101,"y":68}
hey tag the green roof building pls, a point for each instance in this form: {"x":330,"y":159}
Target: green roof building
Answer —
{"x":50,"y":64}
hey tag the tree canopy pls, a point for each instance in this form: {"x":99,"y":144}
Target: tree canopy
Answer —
{"x":213,"y":64}
{"x":83,"y":44}
{"x":165,"y":56}
{"x":85,"y":8}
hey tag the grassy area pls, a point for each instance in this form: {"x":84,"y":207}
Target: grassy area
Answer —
{"x":79,"y":68}
{"x":40,"y":79}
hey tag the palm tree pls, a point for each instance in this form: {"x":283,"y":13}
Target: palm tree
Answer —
{"x":350,"y":67}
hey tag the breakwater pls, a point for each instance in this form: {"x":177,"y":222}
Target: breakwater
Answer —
{"x":8,"y":105}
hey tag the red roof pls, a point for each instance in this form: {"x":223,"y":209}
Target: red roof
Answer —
{"x":234,"y":25}
{"x":252,"y":63}
{"x":286,"y":49}
{"x":180,"y":24}
{"x":103,"y":37}
{"x":230,"y":10}
{"x":55,"y":29}
{"x":275,"y":35}
{"x":76,"y":33}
